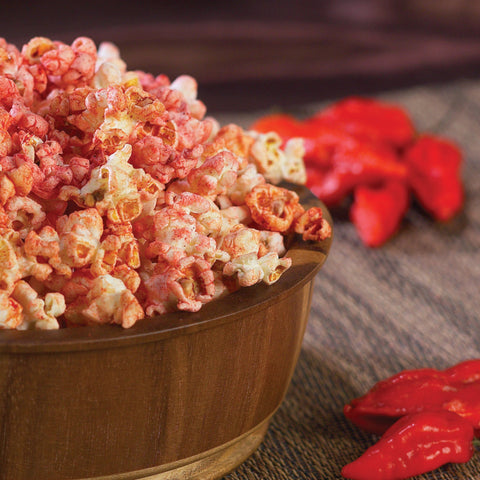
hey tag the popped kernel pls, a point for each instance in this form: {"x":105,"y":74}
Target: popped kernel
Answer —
{"x":120,"y":199}
{"x":37,"y":312}
{"x":25,"y":214}
{"x":276,"y":164}
{"x":187,"y":286}
{"x":251,"y":269}
{"x":10,"y":311}
{"x":273,"y":208}
{"x":312,"y":225}
{"x":79,"y":236}
{"x":215,"y":176}
{"x":107,"y":301}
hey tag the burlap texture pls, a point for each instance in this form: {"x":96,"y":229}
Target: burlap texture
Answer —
{"x":413,"y":303}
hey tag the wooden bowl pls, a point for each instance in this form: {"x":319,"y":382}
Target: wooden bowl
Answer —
{"x":183,"y":395}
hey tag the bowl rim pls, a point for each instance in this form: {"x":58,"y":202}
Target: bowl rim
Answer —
{"x":307,"y":259}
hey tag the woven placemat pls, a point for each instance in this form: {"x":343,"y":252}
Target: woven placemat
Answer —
{"x":413,"y":303}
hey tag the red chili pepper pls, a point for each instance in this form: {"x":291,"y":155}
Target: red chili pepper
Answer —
{"x":321,"y":140}
{"x":396,"y":400}
{"x":377,"y":211}
{"x":374,"y":423}
{"x":464,"y":372}
{"x":356,"y":163}
{"x":362,"y":146}
{"x":285,"y":125}
{"x":415,"y":444}
{"x":466,"y":403}
{"x":434,"y":176}
{"x":338,"y":156}
{"x":345,"y":161}
{"x":406,"y":392}
{"x":371,"y":120}
{"x":456,"y":389}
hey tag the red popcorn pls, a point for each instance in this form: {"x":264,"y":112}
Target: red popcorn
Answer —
{"x":119,"y":199}
{"x":312,"y":225}
{"x":273,"y":208}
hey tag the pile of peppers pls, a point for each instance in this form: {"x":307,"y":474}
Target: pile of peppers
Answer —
{"x":426,"y":418}
{"x":370,"y":150}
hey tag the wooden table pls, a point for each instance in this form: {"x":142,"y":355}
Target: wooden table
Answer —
{"x":413,"y":303}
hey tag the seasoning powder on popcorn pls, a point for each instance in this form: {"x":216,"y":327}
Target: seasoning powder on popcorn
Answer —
{"x":119,"y":199}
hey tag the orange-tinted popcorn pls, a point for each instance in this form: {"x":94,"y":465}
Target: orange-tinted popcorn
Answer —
{"x":25,"y":214}
{"x":273,"y":208}
{"x":108,"y":300}
{"x":10,"y":311}
{"x":246,"y":180}
{"x":312,"y":225}
{"x":120,"y":199}
{"x":215,"y":176}
{"x":185,"y":286}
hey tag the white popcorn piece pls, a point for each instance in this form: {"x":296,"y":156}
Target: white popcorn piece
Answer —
{"x":37,"y":313}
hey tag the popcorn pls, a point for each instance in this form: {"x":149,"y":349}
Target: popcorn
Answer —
{"x":215,"y":176}
{"x":267,"y":155}
{"x":273,"y":208}
{"x":10,"y":311}
{"x":38,"y":313}
{"x":271,"y":242}
{"x":113,"y":188}
{"x":108,"y":301}
{"x":293,"y":168}
{"x":241,"y":240}
{"x":312,"y":225}
{"x":25,"y":214}
{"x":7,"y":189}
{"x":232,"y":138}
{"x":109,"y":67}
{"x":79,"y":236}
{"x":246,"y":180}
{"x":276,"y":164}
{"x":176,"y":235}
{"x":188,"y":87}
{"x":10,"y":268}
{"x":186,"y":286}
{"x":119,"y":199}
{"x":46,"y":244}
{"x":251,"y":269}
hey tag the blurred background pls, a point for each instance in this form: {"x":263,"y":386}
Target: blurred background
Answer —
{"x":256,"y":54}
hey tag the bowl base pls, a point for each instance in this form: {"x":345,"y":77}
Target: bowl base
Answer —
{"x":210,"y":465}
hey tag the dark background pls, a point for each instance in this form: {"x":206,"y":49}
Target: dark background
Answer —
{"x":255,"y":54}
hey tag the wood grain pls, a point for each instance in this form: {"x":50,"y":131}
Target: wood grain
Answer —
{"x":92,"y":402}
{"x":210,"y":465}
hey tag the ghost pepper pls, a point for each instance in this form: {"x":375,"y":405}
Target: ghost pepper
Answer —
{"x":285,"y":125}
{"x":369,"y":119}
{"x":361,"y":146}
{"x":456,"y":389}
{"x":415,"y":444}
{"x":434,"y":175}
{"x":356,"y":163}
{"x":377,"y":211}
